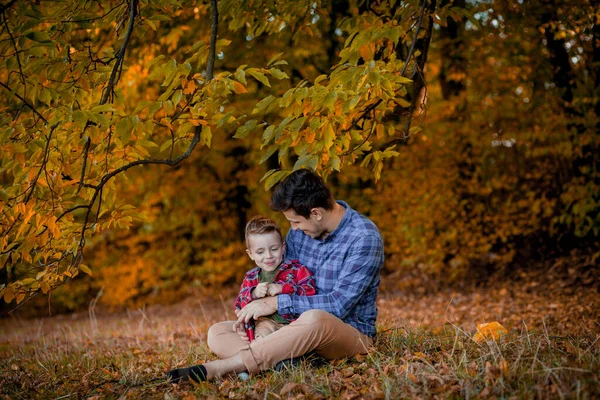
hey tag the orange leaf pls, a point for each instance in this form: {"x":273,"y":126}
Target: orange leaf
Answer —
{"x":239,"y":88}
{"x":489,"y":331}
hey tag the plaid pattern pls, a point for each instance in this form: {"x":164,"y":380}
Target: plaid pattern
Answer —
{"x":293,"y":276}
{"x":346,"y":266}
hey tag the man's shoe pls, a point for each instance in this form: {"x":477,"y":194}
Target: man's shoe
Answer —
{"x":312,"y":358}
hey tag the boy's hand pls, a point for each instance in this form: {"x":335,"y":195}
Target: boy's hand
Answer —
{"x":274,"y":289}
{"x":260,"y":290}
{"x":238,"y":327}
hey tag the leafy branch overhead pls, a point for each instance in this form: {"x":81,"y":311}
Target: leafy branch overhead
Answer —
{"x":92,"y":90}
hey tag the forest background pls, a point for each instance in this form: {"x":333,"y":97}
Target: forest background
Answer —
{"x":138,"y":137}
{"x":466,"y":130}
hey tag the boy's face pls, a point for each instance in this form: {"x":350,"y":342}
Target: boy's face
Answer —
{"x":266,"y":250}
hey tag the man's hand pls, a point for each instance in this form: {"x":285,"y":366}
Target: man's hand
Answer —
{"x":260,"y":290}
{"x":274,"y":289}
{"x":238,"y":328}
{"x":256,"y":309}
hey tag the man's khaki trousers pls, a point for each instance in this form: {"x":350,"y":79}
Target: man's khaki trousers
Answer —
{"x":314,"y":330}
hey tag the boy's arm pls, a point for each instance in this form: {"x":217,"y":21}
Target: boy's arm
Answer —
{"x":303,"y":284}
{"x":245,"y":295}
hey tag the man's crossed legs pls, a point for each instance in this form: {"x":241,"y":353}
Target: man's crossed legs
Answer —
{"x":315,"y":330}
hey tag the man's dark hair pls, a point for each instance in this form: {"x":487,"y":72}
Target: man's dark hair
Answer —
{"x":302,"y":191}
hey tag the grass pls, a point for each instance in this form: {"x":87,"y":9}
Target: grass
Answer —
{"x":126,"y":356}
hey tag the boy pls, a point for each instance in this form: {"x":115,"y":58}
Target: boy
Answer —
{"x":265,"y":246}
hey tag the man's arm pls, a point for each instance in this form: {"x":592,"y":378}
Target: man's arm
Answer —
{"x":358,"y":271}
{"x":258,"y":308}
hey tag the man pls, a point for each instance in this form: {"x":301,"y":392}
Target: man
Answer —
{"x":344,"y":251}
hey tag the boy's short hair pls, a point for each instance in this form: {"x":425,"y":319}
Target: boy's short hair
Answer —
{"x":302,"y":191}
{"x":259,"y":225}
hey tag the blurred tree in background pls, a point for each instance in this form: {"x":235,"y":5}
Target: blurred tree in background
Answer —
{"x":475,"y":124}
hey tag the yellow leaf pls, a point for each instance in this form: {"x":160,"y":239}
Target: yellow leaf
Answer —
{"x":489,"y":331}
{"x":9,"y":294}
{"x":85,"y":269}
{"x":329,"y":136}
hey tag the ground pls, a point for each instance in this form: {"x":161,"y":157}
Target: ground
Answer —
{"x":424,"y":349}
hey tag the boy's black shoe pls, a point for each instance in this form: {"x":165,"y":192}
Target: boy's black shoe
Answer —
{"x":197,"y":373}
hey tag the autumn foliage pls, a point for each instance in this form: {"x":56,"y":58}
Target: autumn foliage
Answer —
{"x":133,"y":146}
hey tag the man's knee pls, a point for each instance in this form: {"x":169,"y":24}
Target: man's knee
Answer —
{"x":317,"y":317}
{"x":214,"y":332}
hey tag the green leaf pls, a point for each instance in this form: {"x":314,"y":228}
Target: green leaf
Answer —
{"x":240,"y":75}
{"x":263,"y":104}
{"x":124,"y":127}
{"x":274,"y":178}
{"x":329,"y":100}
{"x":268,"y":134}
{"x":80,"y":118}
{"x":274,"y":58}
{"x":223,"y":42}
{"x":103,"y":108}
{"x":41,"y":37}
{"x":245,"y":129}
{"x":306,"y":160}
{"x":295,"y":126}
{"x":278,"y":74}
{"x":268,"y":154}
{"x":165,"y":145}
{"x":177,"y":97}
{"x":335,"y":163}
{"x":260,"y":77}
{"x":206,"y":135}
{"x":267,"y":174}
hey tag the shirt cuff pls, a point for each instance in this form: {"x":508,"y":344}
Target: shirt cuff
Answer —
{"x":284,"y":304}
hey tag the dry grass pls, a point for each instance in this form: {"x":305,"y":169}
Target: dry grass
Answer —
{"x":126,"y":355}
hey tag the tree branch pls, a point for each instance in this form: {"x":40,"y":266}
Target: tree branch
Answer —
{"x":114,"y":79}
{"x":214,"y":30}
{"x":86,"y":149}
{"x":378,"y":102}
{"x":96,"y":18}
{"x":7,"y":6}
{"x":44,"y":161}
{"x":16,"y":51}
{"x":32,"y":108}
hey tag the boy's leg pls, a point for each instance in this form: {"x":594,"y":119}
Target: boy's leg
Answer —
{"x":315,"y":330}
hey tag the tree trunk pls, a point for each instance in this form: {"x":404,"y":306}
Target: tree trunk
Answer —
{"x":453,"y":73}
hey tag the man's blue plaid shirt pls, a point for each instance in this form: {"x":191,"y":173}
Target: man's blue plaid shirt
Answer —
{"x":346,"y":267}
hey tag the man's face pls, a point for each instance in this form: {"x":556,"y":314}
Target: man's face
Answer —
{"x":311,"y":226}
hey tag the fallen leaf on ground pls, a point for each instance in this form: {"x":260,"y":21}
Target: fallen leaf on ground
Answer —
{"x":489,"y":331}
